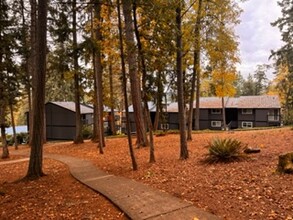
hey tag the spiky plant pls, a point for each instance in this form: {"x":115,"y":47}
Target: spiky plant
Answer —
{"x":224,"y":150}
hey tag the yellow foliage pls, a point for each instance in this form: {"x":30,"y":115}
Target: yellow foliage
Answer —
{"x":223,"y":82}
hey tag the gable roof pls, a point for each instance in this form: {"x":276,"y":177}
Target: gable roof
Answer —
{"x":264,"y":101}
{"x":84,"y":109}
{"x":255,"y":102}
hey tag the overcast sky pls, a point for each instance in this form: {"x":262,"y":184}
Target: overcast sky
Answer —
{"x":256,"y":35}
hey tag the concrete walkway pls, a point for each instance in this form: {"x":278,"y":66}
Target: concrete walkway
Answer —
{"x":136,"y":200}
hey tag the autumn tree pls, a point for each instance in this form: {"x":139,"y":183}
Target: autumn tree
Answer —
{"x":180,"y":91}
{"x":143,"y":66}
{"x":195,"y":82}
{"x":124,"y":85}
{"x":222,"y":48}
{"x":133,"y":74}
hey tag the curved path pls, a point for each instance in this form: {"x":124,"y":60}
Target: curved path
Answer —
{"x":136,"y":200}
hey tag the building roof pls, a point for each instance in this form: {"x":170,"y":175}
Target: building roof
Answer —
{"x":152,"y":107}
{"x":84,"y":109}
{"x":265,"y":101}
{"x":262,"y":101}
{"x":250,"y":102}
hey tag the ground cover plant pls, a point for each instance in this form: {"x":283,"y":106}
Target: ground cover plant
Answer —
{"x":224,"y":150}
{"x":245,"y":189}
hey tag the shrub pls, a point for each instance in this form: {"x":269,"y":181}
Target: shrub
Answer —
{"x":22,"y":138}
{"x":160,"y":133}
{"x":87,"y":132}
{"x":224,"y":150}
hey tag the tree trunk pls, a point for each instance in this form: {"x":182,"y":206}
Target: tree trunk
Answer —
{"x":99,"y":78}
{"x":36,"y":155}
{"x":224,"y":114}
{"x":144,"y":90}
{"x":134,"y":79}
{"x":124,"y":84}
{"x":32,"y":66}
{"x":78,"y":124}
{"x":13,"y":127}
{"x":112,"y":119}
{"x":5,"y":152}
{"x":95,"y":136}
{"x":181,"y":108}
{"x":196,"y":76}
{"x":27,"y":60}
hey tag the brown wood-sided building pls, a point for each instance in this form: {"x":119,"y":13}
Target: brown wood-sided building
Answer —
{"x":60,"y":119}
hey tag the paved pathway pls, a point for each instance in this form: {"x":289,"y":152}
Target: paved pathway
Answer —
{"x":136,"y":200}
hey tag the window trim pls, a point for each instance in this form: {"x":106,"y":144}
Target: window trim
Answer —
{"x":216,"y":124}
{"x":216,"y":111}
{"x":247,"y":122}
{"x":246,"y":111}
{"x":165,"y":126}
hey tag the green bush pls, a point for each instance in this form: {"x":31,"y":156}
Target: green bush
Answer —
{"x":224,"y":150}
{"x":22,"y":138}
{"x":87,"y":131}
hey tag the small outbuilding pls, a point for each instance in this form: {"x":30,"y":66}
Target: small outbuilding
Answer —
{"x":60,"y":119}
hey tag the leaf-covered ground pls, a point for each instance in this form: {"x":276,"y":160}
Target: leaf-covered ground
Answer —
{"x":249,"y":189}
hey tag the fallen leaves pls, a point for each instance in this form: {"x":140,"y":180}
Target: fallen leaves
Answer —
{"x":242,"y":190}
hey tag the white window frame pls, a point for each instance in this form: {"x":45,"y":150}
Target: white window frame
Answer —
{"x":216,"y":124}
{"x":246,"y":111}
{"x":216,"y":111}
{"x":164,"y":126}
{"x":247,"y":124}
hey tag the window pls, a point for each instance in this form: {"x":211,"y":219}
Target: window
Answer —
{"x":216,"y":124}
{"x":164,"y":126}
{"x":246,"y":111}
{"x":216,"y":111}
{"x":247,"y":124}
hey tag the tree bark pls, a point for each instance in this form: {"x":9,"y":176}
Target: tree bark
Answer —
{"x":13,"y":126}
{"x":5,"y":151}
{"x":36,"y":155}
{"x":144,"y":90}
{"x":95,"y":136}
{"x":99,"y":78}
{"x":124,"y":84}
{"x":133,"y":73}
{"x":78,"y":124}
{"x":32,"y":66}
{"x":196,"y":76}
{"x":112,"y":122}
{"x":180,"y":89}
{"x":224,"y":113}
{"x":3,"y":102}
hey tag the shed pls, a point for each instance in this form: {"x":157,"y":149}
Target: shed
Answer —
{"x":60,"y":119}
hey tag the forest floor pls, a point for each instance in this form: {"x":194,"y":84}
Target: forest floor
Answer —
{"x":247,"y":189}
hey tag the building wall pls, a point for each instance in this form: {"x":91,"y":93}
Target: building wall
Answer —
{"x":257,"y":118}
{"x":60,"y":123}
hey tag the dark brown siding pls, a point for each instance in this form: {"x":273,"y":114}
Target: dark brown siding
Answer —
{"x":60,"y":123}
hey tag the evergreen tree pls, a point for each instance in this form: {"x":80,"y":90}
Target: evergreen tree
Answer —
{"x":284,"y":57}
{"x":8,"y":70}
